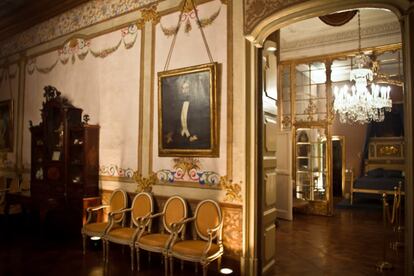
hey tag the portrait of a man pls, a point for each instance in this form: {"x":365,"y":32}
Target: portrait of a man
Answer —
{"x":188,"y":112}
{"x":6,"y":141}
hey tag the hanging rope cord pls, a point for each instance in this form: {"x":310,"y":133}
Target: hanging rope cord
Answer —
{"x":167,"y":63}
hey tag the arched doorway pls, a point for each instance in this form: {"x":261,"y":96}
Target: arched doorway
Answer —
{"x":257,"y":35}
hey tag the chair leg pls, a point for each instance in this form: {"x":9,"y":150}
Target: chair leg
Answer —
{"x":196,"y":267}
{"x":104,"y":250}
{"x":132,"y":257}
{"x":107,"y":251}
{"x":84,"y":244}
{"x":205,"y":269}
{"x":149,"y":257}
{"x":219,"y":263}
{"x":171,"y":266}
{"x":182,"y":265}
{"x":138,"y":263}
{"x":165,"y":265}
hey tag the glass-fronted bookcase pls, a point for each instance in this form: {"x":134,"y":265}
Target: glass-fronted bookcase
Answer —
{"x":311,"y":169}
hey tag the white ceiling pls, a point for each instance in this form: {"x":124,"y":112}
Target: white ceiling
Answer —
{"x":313,"y":37}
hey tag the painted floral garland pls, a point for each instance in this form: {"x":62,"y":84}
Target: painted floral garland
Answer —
{"x":80,"y":48}
{"x":114,"y":170}
{"x":185,"y":19}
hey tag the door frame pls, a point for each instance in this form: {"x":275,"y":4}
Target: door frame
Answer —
{"x":285,"y":16}
{"x":342,"y":141}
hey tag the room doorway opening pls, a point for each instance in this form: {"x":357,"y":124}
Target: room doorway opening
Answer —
{"x":334,"y":175}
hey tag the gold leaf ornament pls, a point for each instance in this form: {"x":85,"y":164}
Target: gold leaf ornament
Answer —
{"x":144,"y":184}
{"x":233,"y":190}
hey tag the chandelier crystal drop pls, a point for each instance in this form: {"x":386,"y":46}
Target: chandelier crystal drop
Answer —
{"x":362,"y":103}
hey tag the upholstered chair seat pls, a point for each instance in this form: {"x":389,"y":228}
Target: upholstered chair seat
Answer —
{"x":117,"y":202}
{"x":142,"y":206}
{"x":208,"y":224}
{"x":96,"y":228}
{"x":194,"y":248}
{"x":154,"y":240}
{"x":121,"y":233}
{"x":175,"y":210}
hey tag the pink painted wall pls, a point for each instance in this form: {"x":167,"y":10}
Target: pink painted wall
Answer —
{"x":354,"y":143}
{"x":355,"y":137}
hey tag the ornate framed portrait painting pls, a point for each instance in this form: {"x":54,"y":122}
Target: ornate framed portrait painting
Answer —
{"x":6,"y":125}
{"x":188,"y":111}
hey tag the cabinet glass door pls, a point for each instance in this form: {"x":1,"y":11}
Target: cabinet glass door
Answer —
{"x":311,"y":171}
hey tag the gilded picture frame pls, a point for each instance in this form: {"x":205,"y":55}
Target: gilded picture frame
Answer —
{"x":188,"y":112}
{"x":6,"y":126}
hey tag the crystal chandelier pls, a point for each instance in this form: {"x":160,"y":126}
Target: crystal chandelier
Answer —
{"x":362,"y":103}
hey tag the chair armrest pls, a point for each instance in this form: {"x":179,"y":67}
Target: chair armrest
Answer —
{"x":111,"y":218}
{"x":147,"y":216}
{"x":176,"y":225}
{"x":174,"y":231}
{"x":143,"y":221}
{"x":89,"y":210}
{"x":96,"y":208}
{"x":210,"y":231}
{"x":111,"y":214}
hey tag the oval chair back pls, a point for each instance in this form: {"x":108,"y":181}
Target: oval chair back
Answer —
{"x":118,"y":201}
{"x":208,"y":216}
{"x":142,"y":205}
{"x":175,"y":210}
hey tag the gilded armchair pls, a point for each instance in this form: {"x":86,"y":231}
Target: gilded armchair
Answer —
{"x":142,"y":206}
{"x":208,"y":223}
{"x":117,"y":201}
{"x":175,"y":210}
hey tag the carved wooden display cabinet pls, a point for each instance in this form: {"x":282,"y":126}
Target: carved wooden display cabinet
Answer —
{"x":65,"y":159}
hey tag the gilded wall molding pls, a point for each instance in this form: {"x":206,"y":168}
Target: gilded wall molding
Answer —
{"x":257,"y":10}
{"x":232,"y":230}
{"x":233,"y":190}
{"x":85,"y":15}
{"x":149,"y":15}
{"x":144,"y":184}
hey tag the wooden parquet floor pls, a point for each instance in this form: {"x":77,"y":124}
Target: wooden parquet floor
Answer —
{"x":348,"y":243}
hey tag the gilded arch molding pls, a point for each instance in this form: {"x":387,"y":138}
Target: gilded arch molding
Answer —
{"x":263,"y":17}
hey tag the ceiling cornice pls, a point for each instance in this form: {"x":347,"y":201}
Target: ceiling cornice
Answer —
{"x":368,"y":32}
{"x":30,"y":13}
